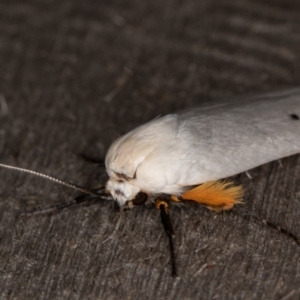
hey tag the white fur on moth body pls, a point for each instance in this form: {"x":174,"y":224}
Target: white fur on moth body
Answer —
{"x":172,"y":153}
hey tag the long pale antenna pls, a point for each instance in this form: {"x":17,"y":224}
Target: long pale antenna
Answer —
{"x":65,"y":183}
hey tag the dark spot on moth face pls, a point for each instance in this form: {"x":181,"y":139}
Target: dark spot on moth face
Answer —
{"x":295,"y":117}
{"x":123,"y":176}
{"x":118,"y":192}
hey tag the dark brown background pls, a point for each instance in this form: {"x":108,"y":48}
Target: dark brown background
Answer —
{"x":77,"y":74}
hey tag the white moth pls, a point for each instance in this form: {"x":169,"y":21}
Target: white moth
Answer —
{"x":172,"y":153}
{"x":183,"y":156}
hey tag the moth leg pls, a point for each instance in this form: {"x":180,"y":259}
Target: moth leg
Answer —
{"x":277,"y":228}
{"x":90,"y":159}
{"x":163,"y":206}
{"x":83,"y":199}
{"x":215,"y":195}
{"x":272,"y":226}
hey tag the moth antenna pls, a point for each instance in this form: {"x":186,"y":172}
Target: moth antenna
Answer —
{"x":61,"y":182}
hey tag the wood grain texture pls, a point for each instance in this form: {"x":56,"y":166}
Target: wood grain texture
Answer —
{"x":73,"y":77}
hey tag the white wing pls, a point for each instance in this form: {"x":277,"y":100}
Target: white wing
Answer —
{"x":208,"y":143}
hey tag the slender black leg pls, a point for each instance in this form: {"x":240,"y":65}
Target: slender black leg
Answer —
{"x":167,"y":223}
{"x":83,"y":199}
{"x":271,"y":225}
{"x":278,"y":228}
{"x":93,"y":160}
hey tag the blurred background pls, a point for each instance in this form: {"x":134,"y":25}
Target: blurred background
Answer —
{"x":75,"y":75}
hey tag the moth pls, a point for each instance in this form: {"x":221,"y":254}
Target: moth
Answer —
{"x":185,"y":156}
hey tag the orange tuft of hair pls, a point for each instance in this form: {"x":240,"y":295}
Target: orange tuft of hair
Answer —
{"x":216,"y":195}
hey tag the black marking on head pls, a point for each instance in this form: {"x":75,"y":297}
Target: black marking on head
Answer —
{"x":134,"y":176}
{"x":140,"y":199}
{"x":118,"y":192}
{"x":123,"y":176}
{"x":295,"y":117}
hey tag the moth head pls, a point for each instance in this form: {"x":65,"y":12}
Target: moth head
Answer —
{"x":125,"y":193}
{"x":123,"y":160}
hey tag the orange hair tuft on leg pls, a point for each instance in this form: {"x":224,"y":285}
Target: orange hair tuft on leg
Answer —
{"x":216,"y":195}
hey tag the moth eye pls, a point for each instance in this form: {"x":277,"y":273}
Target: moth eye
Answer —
{"x":140,"y":199}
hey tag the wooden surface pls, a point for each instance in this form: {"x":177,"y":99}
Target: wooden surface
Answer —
{"x":74,"y":75}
